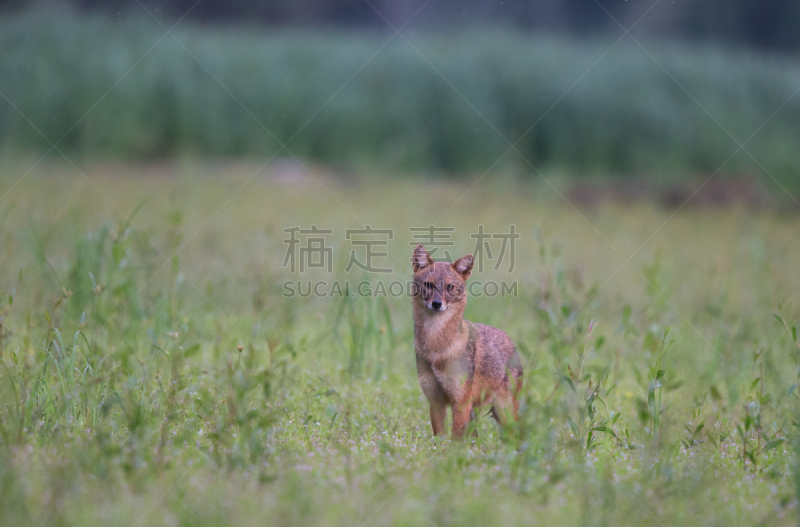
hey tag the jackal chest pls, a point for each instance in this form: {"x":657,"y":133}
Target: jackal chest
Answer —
{"x":453,"y":376}
{"x":449,"y":377}
{"x":447,"y":380}
{"x":445,"y":366}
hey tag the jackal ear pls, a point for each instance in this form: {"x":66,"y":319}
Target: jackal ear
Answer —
{"x":463,"y":266}
{"x":420,"y":259}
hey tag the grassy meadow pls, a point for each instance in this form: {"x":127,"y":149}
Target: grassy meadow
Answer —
{"x":154,"y":373}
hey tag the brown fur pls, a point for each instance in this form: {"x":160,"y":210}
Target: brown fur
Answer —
{"x":460,"y":364}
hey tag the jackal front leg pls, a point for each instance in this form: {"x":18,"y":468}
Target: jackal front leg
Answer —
{"x":438,"y":413}
{"x":461,"y":414}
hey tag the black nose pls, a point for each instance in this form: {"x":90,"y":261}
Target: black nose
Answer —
{"x":436,"y":304}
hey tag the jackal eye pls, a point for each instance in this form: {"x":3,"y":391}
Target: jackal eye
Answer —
{"x":429,"y":285}
{"x":451,"y":288}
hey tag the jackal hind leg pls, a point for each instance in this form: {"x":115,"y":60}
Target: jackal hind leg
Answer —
{"x":504,"y":408}
{"x":473,"y":419}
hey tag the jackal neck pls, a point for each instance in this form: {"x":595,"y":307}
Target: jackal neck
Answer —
{"x":439,"y":336}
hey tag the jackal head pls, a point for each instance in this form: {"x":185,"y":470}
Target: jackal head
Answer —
{"x":440,"y":285}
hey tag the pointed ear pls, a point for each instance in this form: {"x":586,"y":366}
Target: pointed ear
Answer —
{"x":420,"y":259}
{"x":463,"y":266}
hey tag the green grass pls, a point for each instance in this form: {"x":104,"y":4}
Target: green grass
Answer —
{"x":153,"y":373}
{"x":334,"y":97}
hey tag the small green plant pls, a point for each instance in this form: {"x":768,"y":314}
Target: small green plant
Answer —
{"x":650,"y":407}
{"x":5,"y":309}
{"x":751,"y":430}
{"x":693,"y":428}
{"x":718,"y":433}
{"x":368,"y":339}
{"x":792,"y":331}
{"x":588,"y":420}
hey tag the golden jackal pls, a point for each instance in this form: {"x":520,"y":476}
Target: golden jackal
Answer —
{"x":460,"y":364}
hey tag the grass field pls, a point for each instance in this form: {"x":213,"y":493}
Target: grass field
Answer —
{"x":153,"y":372}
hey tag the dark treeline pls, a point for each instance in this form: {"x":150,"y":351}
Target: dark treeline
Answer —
{"x":765,"y":23}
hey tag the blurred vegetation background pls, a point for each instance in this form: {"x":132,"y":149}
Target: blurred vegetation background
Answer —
{"x":332,"y":83}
